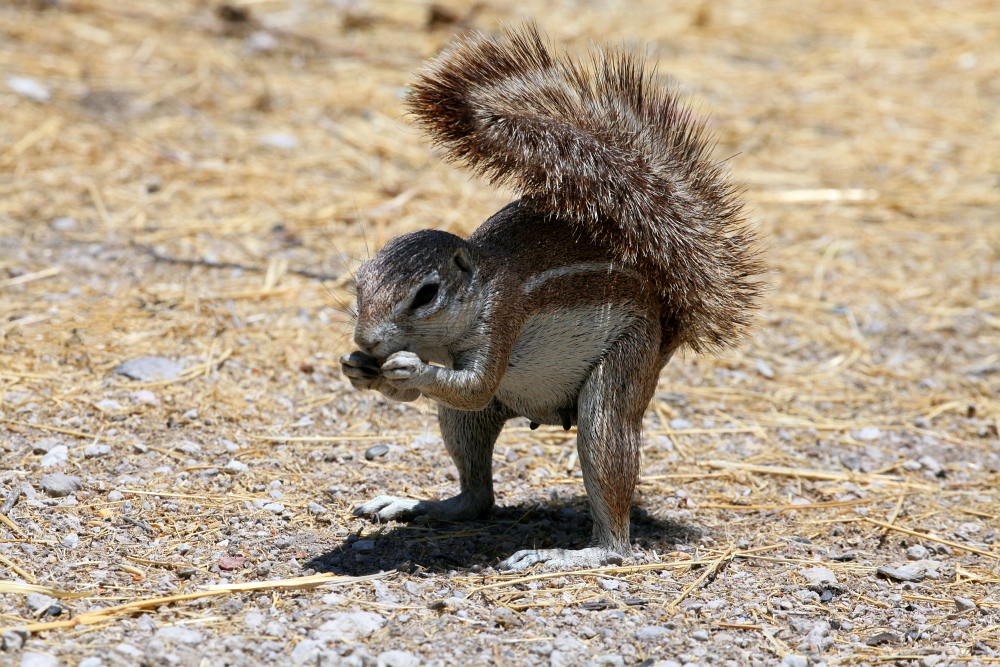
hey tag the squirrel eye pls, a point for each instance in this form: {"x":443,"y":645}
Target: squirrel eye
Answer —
{"x":424,"y":295}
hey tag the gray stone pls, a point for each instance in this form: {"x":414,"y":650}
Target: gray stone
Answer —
{"x":651,"y":633}
{"x":818,"y":638}
{"x":363,"y":545}
{"x":307,"y":652}
{"x":562,"y":659}
{"x":32,"y":659}
{"x":905,"y":573}
{"x":276,"y":508}
{"x":351,"y":625}
{"x":234,"y":467}
{"x":917,"y":552}
{"x":964,"y":604}
{"x":96,"y":451}
{"x":316,"y":508}
{"x":610,"y":659}
{"x":179,"y":634}
{"x":149,"y":369}
{"x":109,"y":405}
{"x":868,"y":433}
{"x":281,"y":140}
{"x":373,"y":453}
{"x":398,"y":659}
{"x":192,"y":449}
{"x":63,"y":224}
{"x":116,"y":496}
{"x":540,"y":648}
{"x":254,"y":619}
{"x":129,"y":650}
{"x":58,"y":485}
{"x":45,"y":445}
{"x":92,"y":661}
{"x":794,"y":661}
{"x":12,"y":640}
{"x":819,"y":576}
{"x":700,"y":635}
{"x":567,"y":642}
{"x":71,"y":540}
{"x":57,"y":456}
{"x":37,"y":602}
{"x":274,"y":629}
{"x":145,"y":397}
{"x":33,"y":89}
{"x":930,"y":464}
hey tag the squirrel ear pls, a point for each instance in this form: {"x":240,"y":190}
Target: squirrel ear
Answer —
{"x":463,"y":260}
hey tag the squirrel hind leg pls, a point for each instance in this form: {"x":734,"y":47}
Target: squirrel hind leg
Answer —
{"x":609,"y":440}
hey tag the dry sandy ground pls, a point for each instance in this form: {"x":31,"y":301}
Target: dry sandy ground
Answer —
{"x":193,"y":181}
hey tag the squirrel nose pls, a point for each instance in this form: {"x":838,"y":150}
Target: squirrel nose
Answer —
{"x":367,"y":341}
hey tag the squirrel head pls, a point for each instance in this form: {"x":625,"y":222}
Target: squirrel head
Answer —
{"x":416,"y":294}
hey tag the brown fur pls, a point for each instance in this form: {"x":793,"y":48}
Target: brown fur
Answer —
{"x":563,"y":307}
{"x":609,"y":150}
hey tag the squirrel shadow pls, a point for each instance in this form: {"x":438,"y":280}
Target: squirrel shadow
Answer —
{"x":477,"y":544}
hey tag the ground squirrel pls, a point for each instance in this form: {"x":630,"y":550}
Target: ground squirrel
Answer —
{"x":628,"y":242}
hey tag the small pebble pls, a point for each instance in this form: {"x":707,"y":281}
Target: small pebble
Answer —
{"x":929,"y":464}
{"x":905,"y":573}
{"x":179,"y":634}
{"x":373,"y":453}
{"x":794,"y":661}
{"x":398,"y":659}
{"x":31,"y":659}
{"x":868,"y":433}
{"x":57,"y":456}
{"x":316,"y":508}
{"x":30,"y":88}
{"x":96,"y":451}
{"x":651,"y":633}
{"x":63,"y":224}
{"x":363,"y":545}
{"x":234,"y":467}
{"x":58,"y":485}
{"x":700,"y":635}
{"x":964,"y":604}
{"x":149,"y":369}
{"x":12,"y":640}
{"x":278,"y":140}
{"x":71,"y":541}
{"x":44,"y":446}
{"x":38,"y":602}
{"x":232,"y":562}
{"x":144,"y":397}
{"x":882,"y":638}
{"x":917,"y":552}
{"x":276,"y":508}
{"x":109,"y":405}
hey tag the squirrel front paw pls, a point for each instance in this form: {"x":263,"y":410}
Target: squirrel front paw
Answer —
{"x":404,"y":370}
{"x":361,"y":369}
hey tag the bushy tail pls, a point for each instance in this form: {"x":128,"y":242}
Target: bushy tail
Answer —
{"x":603,"y":145}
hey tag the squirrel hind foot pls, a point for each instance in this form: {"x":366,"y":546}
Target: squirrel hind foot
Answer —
{"x":562,"y":559}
